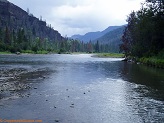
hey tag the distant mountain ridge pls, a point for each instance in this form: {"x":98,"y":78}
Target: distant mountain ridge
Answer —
{"x":110,"y":36}
{"x":90,"y":36}
{"x":113,"y":36}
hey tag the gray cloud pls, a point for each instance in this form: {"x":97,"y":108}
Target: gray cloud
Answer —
{"x":80,"y":16}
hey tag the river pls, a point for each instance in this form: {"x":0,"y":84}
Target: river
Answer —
{"x":79,"y":89}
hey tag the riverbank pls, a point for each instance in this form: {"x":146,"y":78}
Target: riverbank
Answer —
{"x":99,"y":55}
{"x":151,"y":61}
{"x":27,"y":52}
{"x":4,"y":53}
{"x":108,"y":55}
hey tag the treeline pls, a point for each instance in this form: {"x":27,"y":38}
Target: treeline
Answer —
{"x":71,"y":45}
{"x":26,"y":41}
{"x":21,"y":40}
{"x":144,"y":34}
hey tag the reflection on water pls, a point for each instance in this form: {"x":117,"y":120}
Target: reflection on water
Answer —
{"x":152,"y":79}
{"x":80,"y":89}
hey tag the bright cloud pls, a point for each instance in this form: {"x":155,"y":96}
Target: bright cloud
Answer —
{"x":80,"y":16}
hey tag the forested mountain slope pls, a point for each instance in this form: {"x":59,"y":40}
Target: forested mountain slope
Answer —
{"x":21,"y":30}
{"x":112,"y":36}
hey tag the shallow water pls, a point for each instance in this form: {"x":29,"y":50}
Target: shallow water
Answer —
{"x":79,"y":89}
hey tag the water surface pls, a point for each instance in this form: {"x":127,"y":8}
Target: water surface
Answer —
{"x":79,"y":89}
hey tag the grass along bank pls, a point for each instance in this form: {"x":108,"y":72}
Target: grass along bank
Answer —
{"x":37,"y":52}
{"x":109,"y":55}
{"x":152,"y":61}
{"x":3,"y":53}
{"x":26,"y":52}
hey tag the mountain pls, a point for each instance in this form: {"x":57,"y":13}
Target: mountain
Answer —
{"x":76,"y":36}
{"x":20,"y":31}
{"x":90,"y":36}
{"x":113,"y":36}
{"x":15,"y":18}
{"x":109,"y":29}
{"x":112,"y":39}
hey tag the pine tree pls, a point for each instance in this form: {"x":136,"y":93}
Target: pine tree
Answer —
{"x":97,"y":47}
{"x":7,"y":39}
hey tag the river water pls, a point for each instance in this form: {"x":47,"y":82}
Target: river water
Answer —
{"x":79,"y":89}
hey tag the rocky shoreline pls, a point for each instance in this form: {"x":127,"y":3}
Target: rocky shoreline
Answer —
{"x":15,"y":80}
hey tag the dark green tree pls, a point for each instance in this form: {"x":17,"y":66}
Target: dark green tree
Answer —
{"x":144,"y":34}
{"x":97,"y":47}
{"x":7,"y":39}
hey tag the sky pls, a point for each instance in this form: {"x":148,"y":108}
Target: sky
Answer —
{"x":71,"y":17}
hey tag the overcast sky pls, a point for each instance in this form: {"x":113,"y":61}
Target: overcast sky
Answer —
{"x":80,"y":16}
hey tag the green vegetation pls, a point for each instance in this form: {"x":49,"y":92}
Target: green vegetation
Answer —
{"x":143,"y":37}
{"x":152,"y":61}
{"x":109,"y":55}
{"x":27,"y":52}
{"x":23,"y":43}
{"x":5,"y":52}
{"x":37,"y":52}
{"x":156,"y":61}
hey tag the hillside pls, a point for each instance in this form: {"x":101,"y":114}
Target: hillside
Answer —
{"x":19,"y":28}
{"x":112,"y":36}
{"x":90,"y":36}
{"x":112,"y":39}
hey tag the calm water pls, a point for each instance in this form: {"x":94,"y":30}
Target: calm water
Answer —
{"x":79,"y":89}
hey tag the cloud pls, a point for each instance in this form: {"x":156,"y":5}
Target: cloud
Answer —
{"x":80,"y":16}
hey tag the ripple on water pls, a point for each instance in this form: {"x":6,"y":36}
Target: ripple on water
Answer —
{"x":79,"y":88}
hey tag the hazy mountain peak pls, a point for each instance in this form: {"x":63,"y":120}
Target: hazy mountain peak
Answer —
{"x":90,"y":36}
